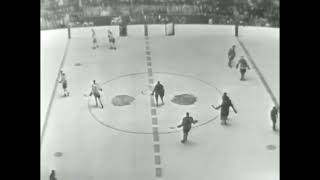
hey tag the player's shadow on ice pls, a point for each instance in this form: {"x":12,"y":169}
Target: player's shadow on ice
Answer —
{"x":61,"y":96}
{"x":92,"y":106}
{"x":190,"y":143}
{"x":230,"y":123}
{"x":250,"y":81}
{"x":159,"y":105}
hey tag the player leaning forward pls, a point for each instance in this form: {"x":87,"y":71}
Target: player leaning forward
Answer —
{"x":186,"y":124}
{"x":95,"y":88}
{"x":158,"y":91}
{"x":225,"y":106}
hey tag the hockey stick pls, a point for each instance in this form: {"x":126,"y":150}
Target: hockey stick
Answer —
{"x":232,"y":109}
{"x":142,"y":92}
{"x":87,"y":95}
{"x":214,"y":107}
{"x":172,"y":127}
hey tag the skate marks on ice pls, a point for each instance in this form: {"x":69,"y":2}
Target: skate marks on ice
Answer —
{"x":188,"y":143}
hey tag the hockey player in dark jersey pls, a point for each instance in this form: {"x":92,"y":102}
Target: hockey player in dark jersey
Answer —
{"x":274,"y":115}
{"x":53,"y":175}
{"x":225,"y":105}
{"x":186,"y":124}
{"x":231,"y":55}
{"x":158,"y":91}
{"x":243,"y":67}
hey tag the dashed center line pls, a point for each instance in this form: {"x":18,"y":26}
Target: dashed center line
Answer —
{"x":154,"y":118}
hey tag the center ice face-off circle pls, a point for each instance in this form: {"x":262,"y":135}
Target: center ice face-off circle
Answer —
{"x":127,"y":102}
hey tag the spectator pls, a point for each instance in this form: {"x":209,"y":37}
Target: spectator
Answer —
{"x":258,"y":13}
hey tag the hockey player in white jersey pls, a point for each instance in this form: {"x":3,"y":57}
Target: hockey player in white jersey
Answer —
{"x":95,"y":88}
{"x":94,"y":39}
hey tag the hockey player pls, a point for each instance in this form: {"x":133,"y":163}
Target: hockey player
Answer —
{"x":225,"y":105}
{"x":94,"y":39}
{"x":95,"y":88}
{"x":231,"y":55}
{"x":63,"y":80}
{"x":53,"y":175}
{"x":243,"y":67}
{"x":159,"y":91}
{"x":274,"y":115}
{"x":112,"y":40}
{"x":186,"y":124}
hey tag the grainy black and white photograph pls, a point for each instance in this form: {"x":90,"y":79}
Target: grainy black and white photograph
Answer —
{"x":160,"y":89}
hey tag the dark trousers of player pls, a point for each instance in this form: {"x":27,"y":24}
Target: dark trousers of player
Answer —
{"x":224,"y":119}
{"x":230,"y":61}
{"x":157,"y":97}
{"x":112,"y":44}
{"x":96,"y":96}
{"x":224,"y":116}
{"x":95,"y":44}
{"x":64,"y":87}
{"x":274,"y":124}
{"x":242,"y":72}
{"x":185,"y":135}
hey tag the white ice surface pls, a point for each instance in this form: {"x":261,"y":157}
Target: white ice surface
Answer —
{"x":92,"y":151}
{"x":265,"y":52}
{"x":53,"y":44}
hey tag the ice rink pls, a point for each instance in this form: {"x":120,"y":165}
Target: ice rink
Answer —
{"x":137,"y":141}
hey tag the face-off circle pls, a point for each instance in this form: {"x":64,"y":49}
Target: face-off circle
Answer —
{"x":127,"y":103}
